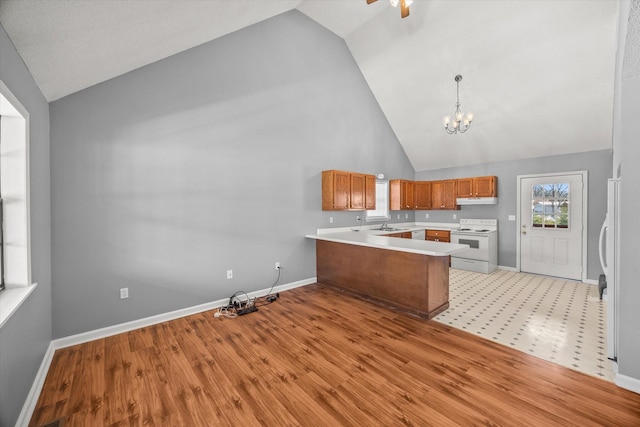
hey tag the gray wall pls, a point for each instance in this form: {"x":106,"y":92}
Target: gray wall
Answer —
{"x":209,"y":160}
{"x":26,"y":335}
{"x":597,"y":163}
{"x":627,"y":134}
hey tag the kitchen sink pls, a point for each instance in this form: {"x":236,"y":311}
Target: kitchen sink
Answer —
{"x":390,"y":229}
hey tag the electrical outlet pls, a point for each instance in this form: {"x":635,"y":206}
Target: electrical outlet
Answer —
{"x":124,"y":293}
{"x":512,"y":217}
{"x":398,"y":216}
{"x":330,"y":220}
{"x":229,"y":274}
{"x":406,"y":216}
{"x":358,"y":218}
{"x":277,"y":265}
{"x":426,"y":216}
{"x":455,"y":216}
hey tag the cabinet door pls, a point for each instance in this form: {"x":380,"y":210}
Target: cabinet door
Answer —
{"x":486,"y":186}
{"x":336,"y":186}
{"x":408,"y":193}
{"x":357,"y":191}
{"x":450,"y":194}
{"x":394,"y":194}
{"x":465,"y":187}
{"x":369,"y":192}
{"x":437,"y":195}
{"x":423,"y":195}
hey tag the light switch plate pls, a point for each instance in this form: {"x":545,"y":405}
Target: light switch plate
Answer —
{"x":512,"y":217}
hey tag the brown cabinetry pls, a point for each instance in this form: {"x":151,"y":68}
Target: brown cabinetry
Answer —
{"x":444,"y":194}
{"x":369,"y":192}
{"x":403,"y":235}
{"x":438,"y":235}
{"x":401,"y":195}
{"x":344,"y":191}
{"x":480,"y":186}
{"x":357,"y":191}
{"x":423,"y":195}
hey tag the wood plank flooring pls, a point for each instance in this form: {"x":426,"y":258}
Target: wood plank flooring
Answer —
{"x":318,"y":357}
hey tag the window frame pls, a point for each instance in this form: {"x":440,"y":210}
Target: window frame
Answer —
{"x":382,"y":212}
{"x":14,"y":131}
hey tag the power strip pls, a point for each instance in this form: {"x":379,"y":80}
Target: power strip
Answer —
{"x":246,"y":310}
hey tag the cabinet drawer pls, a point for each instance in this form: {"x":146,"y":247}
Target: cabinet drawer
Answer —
{"x":438,"y":235}
{"x":405,"y":235}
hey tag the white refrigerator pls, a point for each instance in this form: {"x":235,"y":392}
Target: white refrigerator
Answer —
{"x":609,"y":244}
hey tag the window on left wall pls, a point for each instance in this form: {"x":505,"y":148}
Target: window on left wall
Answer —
{"x":2,"y":285}
{"x":15,"y":251}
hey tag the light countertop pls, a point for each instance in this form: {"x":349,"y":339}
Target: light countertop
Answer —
{"x":400,"y":227}
{"x":379,"y":239}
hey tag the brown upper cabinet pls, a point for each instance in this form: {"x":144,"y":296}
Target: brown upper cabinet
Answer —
{"x":480,"y":186}
{"x":369,"y":192}
{"x":423,"y":195}
{"x":401,"y":195}
{"x":348,"y":191}
{"x":444,"y":194}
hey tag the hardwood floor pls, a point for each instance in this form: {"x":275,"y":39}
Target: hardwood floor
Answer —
{"x":318,"y":357}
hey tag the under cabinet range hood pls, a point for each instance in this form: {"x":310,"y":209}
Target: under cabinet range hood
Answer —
{"x":477,"y":200}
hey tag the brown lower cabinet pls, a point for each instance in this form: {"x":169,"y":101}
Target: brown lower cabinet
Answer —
{"x":413,"y":283}
{"x":404,"y":235}
{"x":438,"y":235}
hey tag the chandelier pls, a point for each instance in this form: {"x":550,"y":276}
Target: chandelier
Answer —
{"x":404,"y":6}
{"x":461,"y":122}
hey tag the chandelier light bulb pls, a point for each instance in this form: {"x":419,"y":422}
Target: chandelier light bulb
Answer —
{"x":446,"y":120}
{"x":394,"y":3}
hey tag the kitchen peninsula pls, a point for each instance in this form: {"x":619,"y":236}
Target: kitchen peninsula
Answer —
{"x":406,"y":274}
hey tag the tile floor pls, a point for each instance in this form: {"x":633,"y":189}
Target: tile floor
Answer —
{"x":558,"y":320}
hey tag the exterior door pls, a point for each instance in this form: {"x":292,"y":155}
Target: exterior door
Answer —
{"x":551,"y":225}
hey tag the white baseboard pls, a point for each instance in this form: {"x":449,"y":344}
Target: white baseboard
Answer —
{"x":38,"y":383}
{"x":502,"y":267}
{"x":36,"y":388}
{"x":629,"y":383}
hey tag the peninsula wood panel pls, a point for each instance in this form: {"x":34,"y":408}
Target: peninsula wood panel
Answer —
{"x":416,"y":283}
{"x":318,"y":357}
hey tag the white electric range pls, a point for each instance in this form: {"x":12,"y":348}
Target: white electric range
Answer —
{"x":482,"y":237}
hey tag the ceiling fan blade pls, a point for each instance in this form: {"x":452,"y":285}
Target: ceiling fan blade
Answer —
{"x":371,"y":1}
{"x":404,"y":9}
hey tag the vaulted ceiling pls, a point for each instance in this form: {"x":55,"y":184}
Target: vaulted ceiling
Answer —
{"x":537,"y":74}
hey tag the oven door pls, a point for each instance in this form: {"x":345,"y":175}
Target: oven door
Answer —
{"x":478,"y":246}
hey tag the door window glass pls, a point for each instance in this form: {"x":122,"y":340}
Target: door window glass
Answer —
{"x":550,"y":205}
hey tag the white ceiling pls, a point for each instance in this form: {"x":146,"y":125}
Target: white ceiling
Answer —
{"x":538,"y":75}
